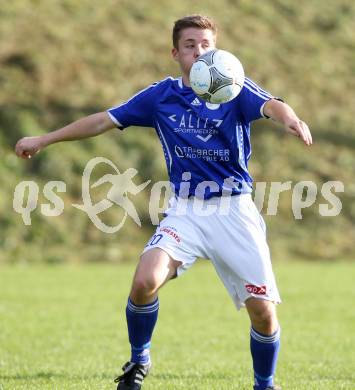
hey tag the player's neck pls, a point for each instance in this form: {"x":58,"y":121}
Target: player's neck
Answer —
{"x":185,"y":80}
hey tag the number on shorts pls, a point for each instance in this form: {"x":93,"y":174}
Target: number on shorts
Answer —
{"x":155,"y":239}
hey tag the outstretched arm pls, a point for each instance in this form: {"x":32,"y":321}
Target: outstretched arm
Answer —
{"x":283,"y":113}
{"x":86,"y":127}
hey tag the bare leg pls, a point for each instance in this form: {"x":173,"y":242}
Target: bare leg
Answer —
{"x":264,"y":341}
{"x":262,"y":315}
{"x":155,"y":268}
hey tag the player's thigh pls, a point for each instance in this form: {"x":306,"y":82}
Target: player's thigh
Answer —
{"x":241,"y":254}
{"x":154,"y":269}
{"x":180,"y":238}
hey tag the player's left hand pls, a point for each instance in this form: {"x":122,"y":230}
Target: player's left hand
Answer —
{"x":299,"y":129}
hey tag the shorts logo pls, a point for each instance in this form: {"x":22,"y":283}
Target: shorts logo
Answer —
{"x":170,"y":231}
{"x":257,"y":290}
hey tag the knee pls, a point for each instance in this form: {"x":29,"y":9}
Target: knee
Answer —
{"x":154,"y":269}
{"x":145,"y":284}
{"x":263,"y":318}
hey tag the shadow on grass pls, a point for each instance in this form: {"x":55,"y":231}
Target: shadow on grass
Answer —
{"x":50,"y":375}
{"x":189,"y":376}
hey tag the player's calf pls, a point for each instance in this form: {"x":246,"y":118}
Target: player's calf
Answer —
{"x":264,"y":342}
{"x":154,"y":269}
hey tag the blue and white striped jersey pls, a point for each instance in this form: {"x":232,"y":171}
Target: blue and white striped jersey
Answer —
{"x":210,"y":143}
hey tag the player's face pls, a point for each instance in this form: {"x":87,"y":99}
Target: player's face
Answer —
{"x":192,"y":43}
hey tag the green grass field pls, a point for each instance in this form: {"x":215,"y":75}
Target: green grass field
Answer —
{"x":62,"y":327}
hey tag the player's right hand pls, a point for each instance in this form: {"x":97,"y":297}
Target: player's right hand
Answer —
{"x":28,"y":146}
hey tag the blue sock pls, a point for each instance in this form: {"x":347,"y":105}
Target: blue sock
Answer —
{"x":264,"y":351}
{"x":141,"y":320}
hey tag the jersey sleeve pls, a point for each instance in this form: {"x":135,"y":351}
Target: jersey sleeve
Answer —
{"x":139,"y":109}
{"x":252,"y":99}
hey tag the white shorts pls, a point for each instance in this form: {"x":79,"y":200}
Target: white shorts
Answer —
{"x":233,"y":238}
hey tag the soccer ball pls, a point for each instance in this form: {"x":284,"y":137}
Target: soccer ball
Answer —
{"x":217,"y":76}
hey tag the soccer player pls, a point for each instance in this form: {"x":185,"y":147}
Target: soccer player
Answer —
{"x":207,"y":148}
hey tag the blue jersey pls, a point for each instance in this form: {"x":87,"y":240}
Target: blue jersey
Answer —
{"x":206,"y":146}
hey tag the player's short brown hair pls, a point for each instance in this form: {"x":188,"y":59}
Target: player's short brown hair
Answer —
{"x":196,"y":21}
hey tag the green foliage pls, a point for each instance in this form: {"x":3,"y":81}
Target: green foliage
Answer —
{"x":64,"y":328}
{"x":61,"y":60}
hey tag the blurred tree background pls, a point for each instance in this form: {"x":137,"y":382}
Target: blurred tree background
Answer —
{"x":60,"y":60}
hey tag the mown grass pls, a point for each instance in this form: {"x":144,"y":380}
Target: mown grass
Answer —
{"x":62,"y":327}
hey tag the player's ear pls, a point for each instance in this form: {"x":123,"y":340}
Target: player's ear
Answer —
{"x":174,"y":53}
